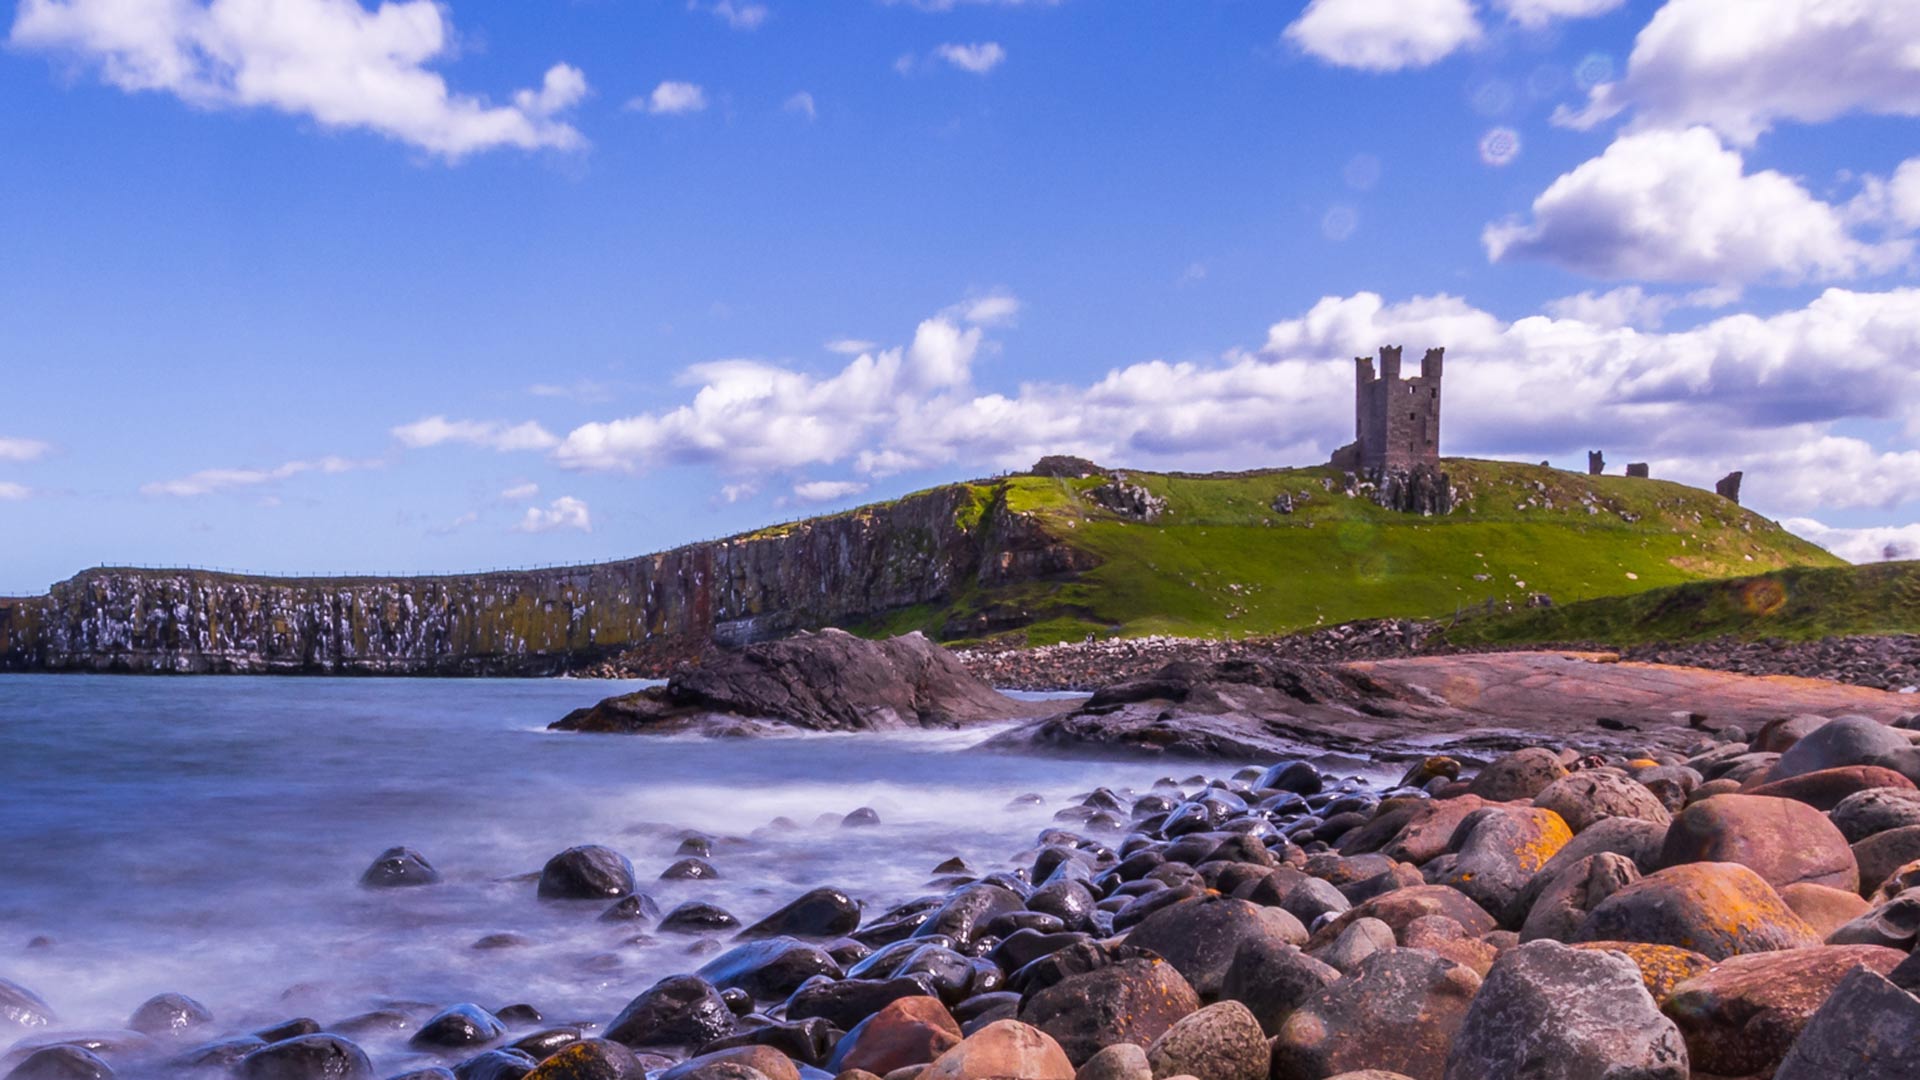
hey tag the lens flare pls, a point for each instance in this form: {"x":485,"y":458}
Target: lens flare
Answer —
{"x":1362,"y":172}
{"x":1339,"y":222}
{"x":1499,"y":147}
{"x":1592,"y":70}
{"x":1763,"y":597}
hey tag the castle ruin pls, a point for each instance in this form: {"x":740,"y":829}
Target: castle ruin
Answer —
{"x":1396,"y":420}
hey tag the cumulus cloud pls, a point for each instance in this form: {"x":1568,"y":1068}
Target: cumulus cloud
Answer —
{"x":1537,"y":13}
{"x":819,"y":491}
{"x":331,"y":61}
{"x":1679,"y":206}
{"x":12,"y":492}
{"x":1877,"y":543}
{"x":1631,"y":305}
{"x":492,"y":434}
{"x":977,"y":58}
{"x":214,"y":481}
{"x":1739,"y":66}
{"x":1892,"y":202}
{"x":14,"y":449}
{"x":672,"y":99}
{"x":565,"y":512}
{"x":850,"y":346}
{"x":1384,"y":35}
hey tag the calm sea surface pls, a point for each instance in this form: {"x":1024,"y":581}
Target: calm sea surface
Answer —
{"x":206,"y":836}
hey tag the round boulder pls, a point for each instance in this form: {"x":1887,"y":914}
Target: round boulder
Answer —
{"x":1662,"y":967}
{"x":1848,"y":740}
{"x":64,"y":1062}
{"x":684,"y":1010}
{"x":769,"y":970}
{"x":1592,"y":795}
{"x":307,"y":1057}
{"x":1784,"y":841}
{"x":822,"y":913}
{"x":1523,"y":774}
{"x":908,"y":1031}
{"x":1220,"y":1042}
{"x":587,"y":872}
{"x":1715,"y":909}
{"x":1199,"y":937}
{"x":1740,"y":1017}
{"x":1827,"y":788}
{"x":1398,"y":1011}
{"x":1132,"y":1001}
{"x":1881,"y":855}
{"x":589,"y":1059}
{"x":399,"y":868}
{"x":1002,"y":1049}
{"x":21,"y":1008}
{"x":1864,"y":813}
{"x":169,"y":1014}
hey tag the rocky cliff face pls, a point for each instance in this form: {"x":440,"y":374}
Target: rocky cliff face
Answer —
{"x":840,"y":569}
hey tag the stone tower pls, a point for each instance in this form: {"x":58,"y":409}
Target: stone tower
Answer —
{"x":1397,"y":421}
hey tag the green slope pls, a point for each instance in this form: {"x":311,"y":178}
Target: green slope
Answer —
{"x":1222,"y":561}
{"x":1795,"y":604}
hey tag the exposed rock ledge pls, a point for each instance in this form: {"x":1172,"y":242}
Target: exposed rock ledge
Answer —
{"x":825,"y":681}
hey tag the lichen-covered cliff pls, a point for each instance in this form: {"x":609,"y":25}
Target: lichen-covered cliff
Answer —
{"x":656,"y":608}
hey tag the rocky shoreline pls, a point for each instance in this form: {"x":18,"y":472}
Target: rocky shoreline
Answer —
{"x":1740,"y":907}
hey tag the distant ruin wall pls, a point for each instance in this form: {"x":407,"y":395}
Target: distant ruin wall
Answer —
{"x":669,"y":605}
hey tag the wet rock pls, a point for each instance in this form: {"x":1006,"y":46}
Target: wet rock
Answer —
{"x":1592,"y":795}
{"x":1863,"y":1032}
{"x":1848,"y":740}
{"x":1564,"y":904}
{"x":373,"y":1022}
{"x":169,"y":1014}
{"x":1662,"y":967}
{"x":865,"y":817}
{"x":399,"y":868}
{"x":821,"y":913}
{"x":222,"y":1054}
{"x":738,"y":1001}
{"x":1408,"y":1004}
{"x":1132,"y":1001}
{"x":1717,"y":909}
{"x":948,"y":972}
{"x":590,"y":1059}
{"x":1272,"y":980}
{"x":62,"y":1063}
{"x":961,"y":917}
{"x":289,"y":1029}
{"x":1297,"y":777}
{"x":1782,"y":840}
{"x":694,"y":917}
{"x":1220,"y":1042}
{"x":1740,"y":1017}
{"x":587,"y":872}
{"x":495,"y":1065}
{"x":909,"y":1031}
{"x":458,"y":1026}
{"x":769,"y":970}
{"x":1864,"y":813}
{"x":1199,"y":937}
{"x":634,"y":909}
{"x":690,"y":870}
{"x":1003,"y":1049}
{"x":684,"y":1010}
{"x":845,"y":1003}
{"x":1523,"y":774}
{"x":810,"y":1041}
{"x":1072,"y":902}
{"x":508,"y":940}
{"x":541,"y":1045}
{"x":1121,"y":1061}
{"x":764,"y":1060}
{"x":21,"y":1008}
{"x":307,"y":1057}
{"x":1304,"y":897}
{"x":1548,"y":1012}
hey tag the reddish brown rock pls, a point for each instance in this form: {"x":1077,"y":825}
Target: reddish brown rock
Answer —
{"x":1565,"y":902}
{"x":1442,"y":936}
{"x":1782,"y":840}
{"x":1427,"y":834}
{"x":1133,"y":1001}
{"x":764,"y":1060}
{"x":1401,"y":906}
{"x":1824,"y":908}
{"x":1740,"y":1017}
{"x":1003,"y":1050}
{"x":909,"y":1031}
{"x":1662,"y":967}
{"x":1824,"y":790}
{"x":1522,"y":774}
{"x":1398,"y":1012}
{"x":1716,"y":909}
{"x":1595,"y":794}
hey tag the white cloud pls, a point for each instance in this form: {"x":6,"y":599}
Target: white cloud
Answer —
{"x":565,"y":512}
{"x":332,"y":61}
{"x":803,"y":104}
{"x":733,"y":493}
{"x":672,"y":99}
{"x":977,"y":58}
{"x":1893,"y":202}
{"x":12,"y":492}
{"x":580,"y":390}
{"x":1739,"y":66}
{"x":22,"y":449}
{"x":1678,"y":206}
{"x":950,"y":5}
{"x":850,"y":346}
{"x":492,"y":434}
{"x":214,"y":481}
{"x":735,"y":13}
{"x":1876,"y":543}
{"x":993,"y":310}
{"x":1384,"y":35}
{"x":1631,"y":305}
{"x":1537,"y":13}
{"x":819,"y":491}
{"x":520,"y":493}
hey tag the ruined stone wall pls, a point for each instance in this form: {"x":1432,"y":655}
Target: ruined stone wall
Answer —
{"x":839,"y":569}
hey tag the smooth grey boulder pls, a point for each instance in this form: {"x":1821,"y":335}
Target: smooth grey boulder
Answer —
{"x":1571,"y":895}
{"x":1848,"y":740}
{"x":1864,"y":1031}
{"x":1875,"y":810}
{"x":1121,"y":1061}
{"x":1550,"y":1012}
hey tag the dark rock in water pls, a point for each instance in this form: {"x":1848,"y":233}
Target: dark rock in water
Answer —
{"x":825,"y":681}
{"x":590,"y":1059}
{"x":739,"y":1002}
{"x":460,"y":1025}
{"x":694,"y":917}
{"x":822,"y":913}
{"x":375,"y":1022}
{"x":690,"y":870}
{"x":845,"y":1003}
{"x":307,"y":1057}
{"x":1863,"y":1032}
{"x":1200,"y":937}
{"x":911,"y":1031}
{"x":169,"y":1014}
{"x":1297,"y":777}
{"x":948,"y":972}
{"x":221,"y":1055}
{"x":399,"y":867}
{"x":809,"y":1041}
{"x":970,"y":909}
{"x":865,"y":817}
{"x":62,"y":1063}
{"x":1549,"y":1012}
{"x":1069,"y":901}
{"x":505,"y":940}
{"x":698,"y":846}
{"x":495,"y":1065}
{"x":1133,"y":1001}
{"x":636,"y":908}
{"x":22,"y":1008}
{"x":289,"y":1029}
{"x":587,"y":872}
{"x":684,"y":1010}
{"x":771,"y":969}
{"x":545,"y":1042}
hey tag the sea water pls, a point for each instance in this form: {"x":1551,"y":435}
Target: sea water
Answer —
{"x":207,"y":836}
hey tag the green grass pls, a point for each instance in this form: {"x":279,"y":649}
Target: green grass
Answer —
{"x":1796,"y":604}
{"x":1222,"y":562}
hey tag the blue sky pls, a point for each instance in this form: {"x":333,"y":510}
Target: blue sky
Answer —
{"x":298,"y":285}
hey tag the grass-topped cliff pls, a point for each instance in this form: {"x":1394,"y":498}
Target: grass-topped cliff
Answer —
{"x":1220,"y":559}
{"x":1797,"y":604}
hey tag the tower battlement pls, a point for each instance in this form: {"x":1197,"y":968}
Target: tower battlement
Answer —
{"x":1396,"y":420}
